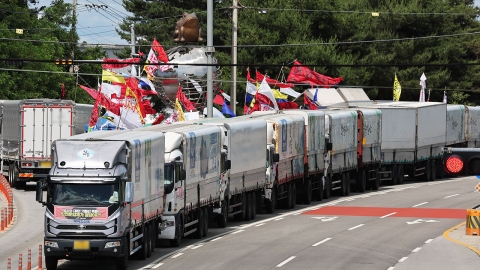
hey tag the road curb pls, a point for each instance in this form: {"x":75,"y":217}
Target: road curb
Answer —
{"x":446,"y":234}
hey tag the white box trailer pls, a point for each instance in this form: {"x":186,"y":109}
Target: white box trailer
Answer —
{"x":456,"y":129}
{"x":244,"y":146}
{"x":317,"y":155}
{"x":105,"y":196}
{"x":473,"y":127}
{"x":29,"y":128}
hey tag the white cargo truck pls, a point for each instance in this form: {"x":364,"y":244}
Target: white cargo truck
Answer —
{"x":244,"y":148}
{"x":105,"y":196}
{"x":473,"y":127}
{"x":456,"y":130}
{"x":192,"y":178}
{"x":28,"y":129}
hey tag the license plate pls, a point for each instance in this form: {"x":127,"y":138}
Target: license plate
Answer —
{"x":46,"y":164}
{"x":81,"y":245}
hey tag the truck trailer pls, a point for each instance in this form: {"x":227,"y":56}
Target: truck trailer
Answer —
{"x":28,"y":129}
{"x":104,"y":196}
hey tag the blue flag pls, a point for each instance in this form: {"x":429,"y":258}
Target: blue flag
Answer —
{"x":315,"y":96}
{"x":226,"y":110}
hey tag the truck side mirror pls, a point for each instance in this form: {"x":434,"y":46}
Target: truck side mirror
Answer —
{"x":182,"y":175}
{"x":39,"y":193}
{"x":128,"y":192}
{"x":328,"y":146}
{"x":276,"y":157}
{"x":228,"y":164}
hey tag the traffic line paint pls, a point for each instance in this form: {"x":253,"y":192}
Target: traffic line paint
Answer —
{"x":391,"y":268}
{"x":446,"y":234}
{"x":277,"y":219}
{"x":380,"y":211}
{"x":417,"y":249}
{"x":428,"y":241}
{"x":216,"y":239}
{"x":261,"y":224}
{"x":297,"y":213}
{"x":321,"y":242}
{"x":176,"y":255}
{"x":388,"y":215}
{"x":195,"y":247}
{"x":237,"y":231}
{"x":420,"y":204}
{"x":358,"y":226}
{"x":403,"y":259}
{"x":451,"y":196}
{"x":286,"y":261}
{"x":157,"y":265}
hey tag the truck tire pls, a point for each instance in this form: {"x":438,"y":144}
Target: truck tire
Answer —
{"x":401,"y":174}
{"x":205,"y":217}
{"x":143,"y":252}
{"x":270,"y":205}
{"x":347,"y":177}
{"x":307,"y":191}
{"x":178,"y":232}
{"x":222,"y":219}
{"x":121,"y":262}
{"x":328,"y":187}
{"x":248,"y":207}
{"x":11,"y":179}
{"x":343,"y":185}
{"x":287,"y":202}
{"x":319,"y":193}
{"x":427,"y":171}
{"x":294,"y":196}
{"x":394,"y":174}
{"x":433,"y":168}
{"x":241,"y":216}
{"x":361,"y":181}
{"x":254,"y":205}
{"x":440,"y":169}
{"x":51,"y":263}
{"x":149,"y":240}
{"x":376,"y":182}
{"x":200,"y":224}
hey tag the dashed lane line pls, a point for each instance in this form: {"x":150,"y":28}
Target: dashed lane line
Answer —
{"x":286,"y":261}
{"x":358,"y":226}
{"x":417,"y":249}
{"x":391,"y":214}
{"x":176,"y":255}
{"x":451,"y":196}
{"x":321,"y":242}
{"x":420,"y":204}
{"x":403,"y":259}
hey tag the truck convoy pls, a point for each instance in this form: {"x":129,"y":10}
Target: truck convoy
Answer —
{"x":105,"y":196}
{"x":28,"y":129}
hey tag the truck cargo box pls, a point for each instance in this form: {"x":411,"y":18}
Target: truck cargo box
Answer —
{"x":473,"y":127}
{"x":370,"y":144}
{"x":352,"y":94}
{"x":456,"y":124}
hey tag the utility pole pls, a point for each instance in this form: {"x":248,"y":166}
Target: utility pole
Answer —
{"x":74,"y":31}
{"x":210,"y":51}
{"x":132,"y":38}
{"x":233,"y":90}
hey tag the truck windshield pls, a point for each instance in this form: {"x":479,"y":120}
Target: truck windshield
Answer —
{"x":83,"y":194}
{"x":169,"y":178}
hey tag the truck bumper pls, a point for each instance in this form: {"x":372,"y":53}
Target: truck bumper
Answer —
{"x":168,"y":230}
{"x":64,"y":248}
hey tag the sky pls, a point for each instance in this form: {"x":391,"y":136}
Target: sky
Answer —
{"x":96,"y":25}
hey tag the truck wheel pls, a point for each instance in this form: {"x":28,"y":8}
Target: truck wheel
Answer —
{"x":328,"y":187}
{"x":361,"y":181}
{"x":222,"y":219}
{"x":201,"y":222}
{"x":254,"y":205}
{"x":143,"y":252}
{"x":270,"y":205}
{"x":120,"y":262}
{"x":205,"y":217}
{"x":401,"y":174}
{"x":433,"y":168}
{"x":11,"y":177}
{"x":307,"y":191}
{"x":294,"y":196}
{"x":440,"y":169}
{"x":248,"y":207}
{"x":347,"y":177}
{"x":319,"y":192}
{"x":343,"y":185}
{"x":149,"y":241}
{"x":394,"y":174}
{"x":287,"y":202}
{"x":376,"y":182}
{"x":241,"y":216}
{"x":51,"y":263}
{"x":178,"y":232}
{"x":427,"y":171}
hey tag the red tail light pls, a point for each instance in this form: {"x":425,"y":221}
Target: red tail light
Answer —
{"x":454,"y":164}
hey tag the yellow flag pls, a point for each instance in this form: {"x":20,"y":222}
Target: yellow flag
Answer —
{"x":278,"y":94}
{"x":112,"y":77}
{"x":397,"y":89}
{"x":178,"y":108}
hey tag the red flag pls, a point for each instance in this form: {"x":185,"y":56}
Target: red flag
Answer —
{"x":218,"y":100}
{"x":287,"y":105}
{"x":308,"y":103}
{"x":184,"y":100}
{"x":119,"y":63}
{"x":302,"y":74}
{"x":147,"y":106}
{"x":92,"y":92}
{"x":162,"y":56}
{"x":250,"y":78}
{"x":159,"y":119}
{"x":263,"y":99}
{"x":259,"y":76}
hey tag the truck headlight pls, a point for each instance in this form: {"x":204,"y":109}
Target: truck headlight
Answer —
{"x":52,"y":244}
{"x":112,"y":244}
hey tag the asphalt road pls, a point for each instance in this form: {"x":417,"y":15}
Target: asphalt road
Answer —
{"x":393,"y":223}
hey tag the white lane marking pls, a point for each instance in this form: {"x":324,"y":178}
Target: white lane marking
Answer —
{"x":261,"y":224}
{"x":195,"y":247}
{"x":321,"y":242}
{"x":279,"y":219}
{"x":403,"y":259}
{"x":417,"y":249}
{"x":286,"y":261}
{"x":389,"y":215}
{"x":176,"y":255}
{"x":216,"y":239}
{"x":420,"y":204}
{"x":451,"y":196}
{"x":237,"y":231}
{"x":158,"y":265}
{"x":149,"y":266}
{"x":391,"y":268}
{"x":297,"y":213}
{"x":358,"y":226}
{"x":418,"y":221}
{"x":325,"y":218}
{"x":428,"y":241}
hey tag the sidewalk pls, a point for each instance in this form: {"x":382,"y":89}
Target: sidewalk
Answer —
{"x":458,"y":235}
